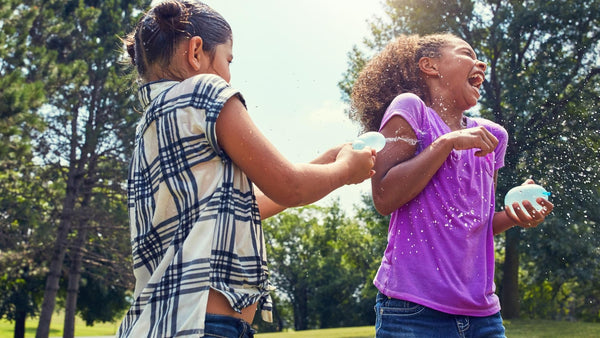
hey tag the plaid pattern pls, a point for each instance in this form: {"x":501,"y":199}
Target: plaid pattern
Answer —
{"x":194,"y":220}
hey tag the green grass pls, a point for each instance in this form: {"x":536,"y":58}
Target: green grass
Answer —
{"x":100,"y":329}
{"x":346,"y":332}
{"x":550,"y":329}
{"x":514,"y":329}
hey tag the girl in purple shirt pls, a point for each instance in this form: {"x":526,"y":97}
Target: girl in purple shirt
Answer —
{"x":436,"y":177}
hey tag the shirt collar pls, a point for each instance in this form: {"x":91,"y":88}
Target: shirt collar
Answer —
{"x":148,"y":92}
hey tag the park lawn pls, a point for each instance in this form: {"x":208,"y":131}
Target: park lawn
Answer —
{"x":81,"y":330}
{"x":514,"y":329}
{"x":550,"y":329}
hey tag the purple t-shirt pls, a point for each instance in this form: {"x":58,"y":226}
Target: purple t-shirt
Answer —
{"x":440,"y":250}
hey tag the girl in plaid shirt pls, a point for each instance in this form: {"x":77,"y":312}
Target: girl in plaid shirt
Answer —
{"x":202,"y":177}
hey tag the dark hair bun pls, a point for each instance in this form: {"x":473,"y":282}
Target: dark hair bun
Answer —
{"x":171,"y":16}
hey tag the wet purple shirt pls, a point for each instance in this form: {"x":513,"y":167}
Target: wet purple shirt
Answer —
{"x":440,"y":250}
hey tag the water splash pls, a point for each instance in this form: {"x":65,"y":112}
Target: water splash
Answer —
{"x":377,"y":141}
{"x":410,"y":141}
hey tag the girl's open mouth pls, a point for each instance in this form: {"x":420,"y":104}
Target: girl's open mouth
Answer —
{"x":476,"y":80}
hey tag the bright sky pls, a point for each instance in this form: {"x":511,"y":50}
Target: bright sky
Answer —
{"x":288,"y":58}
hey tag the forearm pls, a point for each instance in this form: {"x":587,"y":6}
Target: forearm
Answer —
{"x":406,"y":180}
{"x":302,"y":196}
{"x":270,"y":208}
{"x":501,"y":222}
{"x":306,"y":183}
{"x":285,"y":184}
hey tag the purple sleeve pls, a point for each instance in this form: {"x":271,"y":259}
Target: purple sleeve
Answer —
{"x":408,"y":106}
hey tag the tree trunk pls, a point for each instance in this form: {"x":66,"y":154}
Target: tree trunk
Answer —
{"x":73,"y":284}
{"x":20,"y":325}
{"x":510,"y":282}
{"x":300,"y":310}
{"x":56,"y":262}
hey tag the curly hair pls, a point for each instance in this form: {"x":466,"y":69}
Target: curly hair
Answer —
{"x":159,"y":31}
{"x":392,"y":72}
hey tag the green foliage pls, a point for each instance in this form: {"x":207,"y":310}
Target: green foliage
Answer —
{"x":322,"y":262}
{"x":100,"y":301}
{"x":21,"y":285}
{"x":25,"y":230}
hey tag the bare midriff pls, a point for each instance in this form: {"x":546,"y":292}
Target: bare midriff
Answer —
{"x":219,"y":305}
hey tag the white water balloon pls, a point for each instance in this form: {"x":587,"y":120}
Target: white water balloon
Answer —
{"x":370,"y":139}
{"x":527,"y":192}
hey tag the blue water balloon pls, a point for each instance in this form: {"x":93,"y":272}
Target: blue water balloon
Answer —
{"x":371,"y":139}
{"x":527,"y":192}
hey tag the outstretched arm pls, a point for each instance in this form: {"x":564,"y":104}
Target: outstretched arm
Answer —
{"x":284,"y":183}
{"x":269,"y":208}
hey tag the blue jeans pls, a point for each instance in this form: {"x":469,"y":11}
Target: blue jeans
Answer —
{"x":217,"y":326}
{"x":399,"y":318}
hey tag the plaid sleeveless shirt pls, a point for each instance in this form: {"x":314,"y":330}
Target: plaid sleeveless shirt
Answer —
{"x":195,"y":224}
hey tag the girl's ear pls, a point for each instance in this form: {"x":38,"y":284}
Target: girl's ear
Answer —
{"x":429,"y":66}
{"x":194,"y":52}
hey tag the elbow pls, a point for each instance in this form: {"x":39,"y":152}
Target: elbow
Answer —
{"x":291,"y":200}
{"x":387,"y":202}
{"x":383,"y":209}
{"x":383,"y":212}
{"x":381,"y":205}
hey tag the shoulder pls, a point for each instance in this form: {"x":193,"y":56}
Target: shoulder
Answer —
{"x":407,"y":100}
{"x":209,"y":83}
{"x":209,"y":79}
{"x":209,"y":86}
{"x":408,"y":106}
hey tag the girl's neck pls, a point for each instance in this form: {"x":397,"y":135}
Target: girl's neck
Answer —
{"x":453,"y":117}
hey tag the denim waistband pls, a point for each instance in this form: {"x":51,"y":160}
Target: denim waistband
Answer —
{"x":226,"y":326}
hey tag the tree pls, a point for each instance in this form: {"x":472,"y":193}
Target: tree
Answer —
{"x":24,"y":215}
{"x":23,"y":208}
{"x":90,"y":122}
{"x":21,"y":285}
{"x":543,"y":86}
{"x":320,"y":261}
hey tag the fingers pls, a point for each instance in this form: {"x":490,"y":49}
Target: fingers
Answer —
{"x":479,"y":138}
{"x":509,"y":212}
{"x":528,"y":216}
{"x":547,"y":206}
{"x":362,"y":165}
{"x":534,"y":217}
{"x":488,"y":143}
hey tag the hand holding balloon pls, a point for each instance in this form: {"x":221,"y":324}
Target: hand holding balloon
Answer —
{"x":527,"y":192}
{"x":527,"y":204}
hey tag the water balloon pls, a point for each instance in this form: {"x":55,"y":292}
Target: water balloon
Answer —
{"x":371,"y":139}
{"x":527,"y":192}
